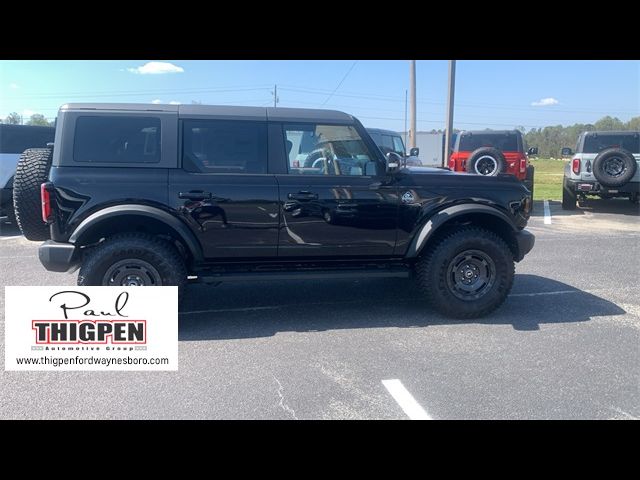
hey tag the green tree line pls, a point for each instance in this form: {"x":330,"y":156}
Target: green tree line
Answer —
{"x":550,"y":140}
{"x":36,"y":119}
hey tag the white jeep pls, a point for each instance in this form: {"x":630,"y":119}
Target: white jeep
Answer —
{"x":604,"y":164}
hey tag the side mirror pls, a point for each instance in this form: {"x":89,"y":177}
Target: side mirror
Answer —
{"x":566,"y":152}
{"x":532,"y":151}
{"x":414,"y":152}
{"x":393,"y":161}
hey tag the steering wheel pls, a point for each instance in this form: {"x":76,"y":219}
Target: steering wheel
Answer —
{"x":313,"y":157}
{"x":320,"y":163}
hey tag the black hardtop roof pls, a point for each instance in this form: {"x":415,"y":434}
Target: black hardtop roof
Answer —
{"x":490,"y":132}
{"x":611,"y":132}
{"x":254,"y":113}
{"x":383,"y":131}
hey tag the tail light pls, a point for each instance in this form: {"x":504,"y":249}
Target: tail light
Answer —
{"x":575,"y":166}
{"x":45,"y":196}
{"x":523,"y":164}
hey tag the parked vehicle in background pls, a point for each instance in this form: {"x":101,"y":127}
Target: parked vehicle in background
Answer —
{"x":490,"y":152}
{"x":15,"y":139}
{"x":605,"y":164}
{"x":150,"y":195}
{"x":390,"y":141}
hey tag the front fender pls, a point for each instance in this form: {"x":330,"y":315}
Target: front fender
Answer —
{"x":438,"y":219}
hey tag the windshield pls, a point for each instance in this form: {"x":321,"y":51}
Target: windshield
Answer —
{"x":597,"y":143}
{"x":504,"y":142}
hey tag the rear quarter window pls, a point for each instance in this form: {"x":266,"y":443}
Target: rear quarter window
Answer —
{"x":116,"y":139}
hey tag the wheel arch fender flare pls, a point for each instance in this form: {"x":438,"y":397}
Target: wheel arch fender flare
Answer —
{"x":110,"y":213}
{"x":434,"y":222}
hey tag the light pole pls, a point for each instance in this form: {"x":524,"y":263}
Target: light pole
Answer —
{"x":450,"y":100}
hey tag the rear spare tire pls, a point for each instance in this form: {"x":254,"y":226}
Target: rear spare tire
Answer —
{"x":614,"y":167}
{"x":486,"y":161}
{"x":31,"y":172}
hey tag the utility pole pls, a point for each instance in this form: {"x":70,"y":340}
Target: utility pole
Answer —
{"x":412,"y":104}
{"x":450,"y":100}
{"x":275,"y":96}
{"x":405,"y":118}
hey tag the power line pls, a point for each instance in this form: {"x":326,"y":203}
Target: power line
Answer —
{"x":343,"y":79}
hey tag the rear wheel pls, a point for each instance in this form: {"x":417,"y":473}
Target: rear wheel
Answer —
{"x":467,"y":273}
{"x":31,"y":172}
{"x":133,"y":259}
{"x":569,"y":197}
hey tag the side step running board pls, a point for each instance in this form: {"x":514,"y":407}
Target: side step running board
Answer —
{"x":302,"y":275}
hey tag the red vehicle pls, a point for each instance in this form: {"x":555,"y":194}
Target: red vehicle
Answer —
{"x":490,"y":152}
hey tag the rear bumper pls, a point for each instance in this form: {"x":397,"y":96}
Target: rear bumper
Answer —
{"x":525,"y":241}
{"x":58,"y":257}
{"x":582,"y":186}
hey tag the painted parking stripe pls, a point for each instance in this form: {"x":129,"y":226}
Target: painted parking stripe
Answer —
{"x":547,"y":213}
{"x":401,"y":395}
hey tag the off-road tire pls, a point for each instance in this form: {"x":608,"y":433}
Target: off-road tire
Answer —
{"x":31,"y":172}
{"x":479,"y":154}
{"x":569,"y":197}
{"x":159,"y":253}
{"x":624,"y":158}
{"x":432,"y":271}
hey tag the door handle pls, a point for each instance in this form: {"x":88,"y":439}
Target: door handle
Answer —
{"x":195,"y":195}
{"x":303,"y":195}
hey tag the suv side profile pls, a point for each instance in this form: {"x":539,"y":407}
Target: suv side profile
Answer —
{"x":490,"y":152}
{"x":390,"y":141}
{"x":605,"y":164}
{"x":152,"y":194}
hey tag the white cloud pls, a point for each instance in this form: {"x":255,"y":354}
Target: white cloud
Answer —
{"x":545,"y":102}
{"x":14,"y":86}
{"x":156,"y":68}
{"x":157,"y":101}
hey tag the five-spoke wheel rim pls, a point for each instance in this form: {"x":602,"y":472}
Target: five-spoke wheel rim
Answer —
{"x":471,"y":274}
{"x":132,"y":272}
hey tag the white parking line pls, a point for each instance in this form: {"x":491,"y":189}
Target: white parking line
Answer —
{"x":547,"y":213}
{"x":406,"y":401}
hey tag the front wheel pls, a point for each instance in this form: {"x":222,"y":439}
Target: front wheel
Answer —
{"x":467,"y":273}
{"x":133,"y":259}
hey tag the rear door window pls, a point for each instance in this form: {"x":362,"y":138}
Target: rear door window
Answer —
{"x":220,"y":146}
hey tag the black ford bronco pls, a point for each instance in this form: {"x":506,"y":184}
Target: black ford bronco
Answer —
{"x":162,"y":195}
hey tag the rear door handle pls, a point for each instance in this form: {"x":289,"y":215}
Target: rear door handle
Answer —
{"x":195,"y":195}
{"x":303,"y":195}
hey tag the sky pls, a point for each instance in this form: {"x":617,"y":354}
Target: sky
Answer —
{"x":488,"y":94}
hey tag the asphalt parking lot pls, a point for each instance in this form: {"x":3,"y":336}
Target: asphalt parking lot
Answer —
{"x":566,"y":344}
